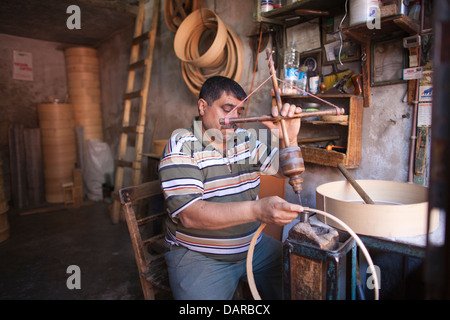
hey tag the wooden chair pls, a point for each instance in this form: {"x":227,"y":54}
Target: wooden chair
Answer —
{"x":143,"y":206}
{"x":271,"y":186}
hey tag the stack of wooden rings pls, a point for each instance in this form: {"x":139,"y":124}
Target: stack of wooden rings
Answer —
{"x":83,"y":77}
{"x":176,"y":11}
{"x":4,"y":226}
{"x":58,"y":147}
{"x":225,"y":56}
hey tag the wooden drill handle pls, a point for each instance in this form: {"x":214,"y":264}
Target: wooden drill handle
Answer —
{"x":355,"y":185}
{"x":277,"y":95}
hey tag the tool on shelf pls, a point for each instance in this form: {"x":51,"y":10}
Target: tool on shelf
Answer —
{"x":338,"y":87}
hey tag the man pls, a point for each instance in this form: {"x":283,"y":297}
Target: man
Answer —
{"x":210,"y":178}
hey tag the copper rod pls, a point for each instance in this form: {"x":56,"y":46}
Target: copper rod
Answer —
{"x":277,"y":95}
{"x":268,"y":117}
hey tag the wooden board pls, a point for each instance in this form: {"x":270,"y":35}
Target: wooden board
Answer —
{"x":308,"y":278}
{"x":17,"y":165}
{"x":34,"y":167}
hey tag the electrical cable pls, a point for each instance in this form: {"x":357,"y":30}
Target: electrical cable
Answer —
{"x":251,"y":280}
{"x":340,"y":32}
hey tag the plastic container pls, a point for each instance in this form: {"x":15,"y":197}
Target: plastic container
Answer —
{"x":266,"y":5}
{"x":414,"y":12}
{"x":362,"y":11}
{"x":291,"y":69}
{"x":303,"y":80}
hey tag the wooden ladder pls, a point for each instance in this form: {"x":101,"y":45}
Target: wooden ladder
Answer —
{"x":138,"y":128}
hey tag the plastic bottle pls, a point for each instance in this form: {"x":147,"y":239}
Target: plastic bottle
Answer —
{"x":414,"y":12}
{"x":291,"y":71}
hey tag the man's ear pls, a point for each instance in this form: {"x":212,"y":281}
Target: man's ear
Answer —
{"x":202,"y":104}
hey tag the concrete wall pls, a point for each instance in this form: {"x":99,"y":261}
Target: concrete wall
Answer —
{"x":169,"y":97}
{"x":19,"y":98}
{"x":386,"y":124}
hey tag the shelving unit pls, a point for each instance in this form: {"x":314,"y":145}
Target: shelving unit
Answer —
{"x":349,"y":133}
{"x":286,"y":15}
{"x":390,"y":27}
{"x":396,"y":25}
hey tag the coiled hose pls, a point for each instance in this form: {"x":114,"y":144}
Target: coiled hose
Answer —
{"x":251,"y":280}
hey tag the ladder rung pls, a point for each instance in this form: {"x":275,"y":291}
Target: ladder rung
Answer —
{"x":132,"y":95}
{"x":139,"y":64}
{"x":133,"y":129}
{"x":128,"y":164}
{"x":141,"y":38}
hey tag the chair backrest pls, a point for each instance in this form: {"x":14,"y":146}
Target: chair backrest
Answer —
{"x":272,"y":186}
{"x":143,"y":206}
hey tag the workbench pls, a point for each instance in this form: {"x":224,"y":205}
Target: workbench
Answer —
{"x":407,"y":247}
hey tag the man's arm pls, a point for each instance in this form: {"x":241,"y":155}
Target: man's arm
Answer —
{"x":214,"y":215}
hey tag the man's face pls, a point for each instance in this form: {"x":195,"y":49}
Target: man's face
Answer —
{"x":210,"y":115}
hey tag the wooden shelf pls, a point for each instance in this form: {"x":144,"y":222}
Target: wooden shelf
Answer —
{"x":350,"y":132}
{"x":286,"y":15}
{"x":391,"y":26}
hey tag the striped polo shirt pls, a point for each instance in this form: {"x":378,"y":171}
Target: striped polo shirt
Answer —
{"x":191,"y":169}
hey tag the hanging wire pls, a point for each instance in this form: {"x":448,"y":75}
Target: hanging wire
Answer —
{"x":247,"y":97}
{"x":340,"y":32}
{"x":295,"y":87}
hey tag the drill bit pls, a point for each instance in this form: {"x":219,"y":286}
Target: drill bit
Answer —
{"x":299,"y":199}
{"x":304,"y":216}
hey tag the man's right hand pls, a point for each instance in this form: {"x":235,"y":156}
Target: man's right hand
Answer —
{"x":275,"y":210}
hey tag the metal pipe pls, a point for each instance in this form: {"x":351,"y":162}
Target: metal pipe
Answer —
{"x":268,"y":117}
{"x":412,"y":150}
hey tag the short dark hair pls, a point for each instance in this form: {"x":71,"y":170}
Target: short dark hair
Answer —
{"x":213,"y":88}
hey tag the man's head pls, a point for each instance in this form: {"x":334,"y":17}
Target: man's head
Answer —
{"x":213,"y":88}
{"x":217,"y":99}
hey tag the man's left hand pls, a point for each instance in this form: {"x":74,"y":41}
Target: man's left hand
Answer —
{"x":292,"y":125}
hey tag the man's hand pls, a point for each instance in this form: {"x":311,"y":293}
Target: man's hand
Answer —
{"x":292,"y":125}
{"x":275,"y":210}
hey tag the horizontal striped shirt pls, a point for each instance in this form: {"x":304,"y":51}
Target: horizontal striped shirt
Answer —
{"x":191,"y":170}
